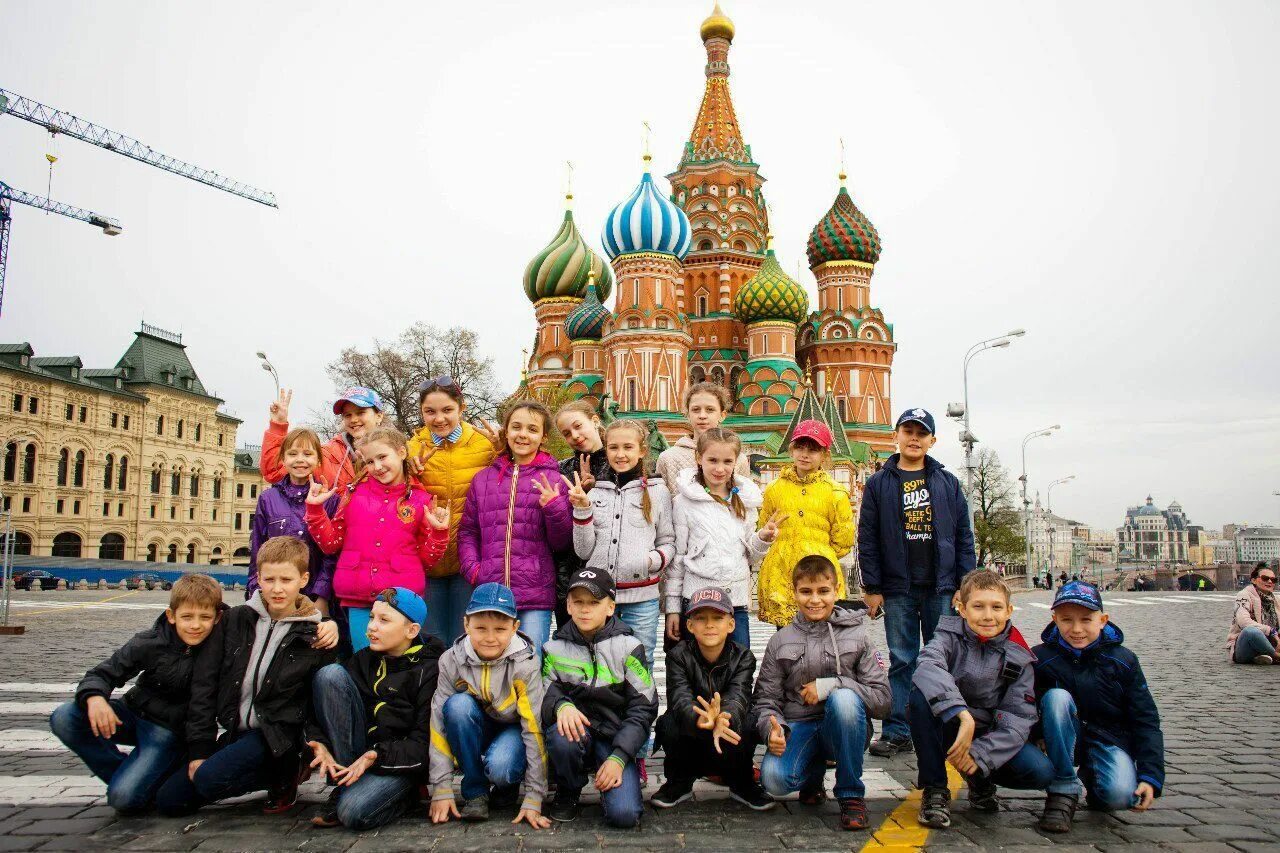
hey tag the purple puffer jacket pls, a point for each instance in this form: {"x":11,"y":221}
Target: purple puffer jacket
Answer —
{"x":505,"y":536}
{"x":281,"y":510}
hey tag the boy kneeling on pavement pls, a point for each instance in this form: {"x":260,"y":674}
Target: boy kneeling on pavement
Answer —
{"x":709,"y":707}
{"x":1096,"y":711}
{"x":973,"y":703}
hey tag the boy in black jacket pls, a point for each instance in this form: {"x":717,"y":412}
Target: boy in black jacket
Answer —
{"x":709,"y":707}
{"x":151,"y":716}
{"x":1095,"y":709}
{"x":255,"y":682}
{"x":599,"y":704}
{"x":373,"y":713}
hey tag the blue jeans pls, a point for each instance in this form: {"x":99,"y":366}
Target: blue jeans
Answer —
{"x":375,"y":799}
{"x":840,"y":735}
{"x":570,"y":763}
{"x":240,"y":766}
{"x":907,"y":619}
{"x":1251,"y":643}
{"x":537,"y":624}
{"x":1028,"y":770}
{"x":642,"y":618}
{"x":358,"y":622}
{"x":447,"y":600}
{"x":1107,"y":773}
{"x":487,"y":751}
{"x":132,"y":778}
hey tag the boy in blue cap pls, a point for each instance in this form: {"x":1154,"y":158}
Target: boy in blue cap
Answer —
{"x":372,"y":716}
{"x":915,"y":545}
{"x":484,"y":717}
{"x":1095,"y":710}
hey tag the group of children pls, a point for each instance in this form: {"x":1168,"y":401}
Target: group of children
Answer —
{"x":398,"y":628}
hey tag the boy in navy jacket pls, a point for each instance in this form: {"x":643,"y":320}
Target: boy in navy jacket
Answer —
{"x":1096,"y":711}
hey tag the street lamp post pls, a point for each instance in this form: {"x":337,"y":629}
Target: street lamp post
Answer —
{"x":1048,"y":500}
{"x":1026,"y":504}
{"x":270,"y":368}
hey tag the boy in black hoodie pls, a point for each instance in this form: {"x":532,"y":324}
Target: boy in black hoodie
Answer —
{"x":151,"y":716}
{"x":255,"y":682}
{"x":599,"y":705}
{"x":709,"y":707}
{"x":373,"y":716}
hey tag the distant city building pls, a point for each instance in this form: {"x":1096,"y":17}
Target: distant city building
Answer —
{"x":131,"y":462}
{"x":1052,"y":541}
{"x":1095,"y":547}
{"x":1153,"y":535}
{"x":1224,"y":550}
{"x":1257,"y":543}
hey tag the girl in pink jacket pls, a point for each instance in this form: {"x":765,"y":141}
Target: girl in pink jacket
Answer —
{"x":387,"y":531}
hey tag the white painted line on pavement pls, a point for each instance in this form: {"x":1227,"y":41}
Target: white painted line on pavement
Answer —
{"x":35,"y":687}
{"x":1039,"y":604}
{"x":80,"y":605}
{"x":1126,"y":601}
{"x":23,"y":740}
{"x":30,"y":709}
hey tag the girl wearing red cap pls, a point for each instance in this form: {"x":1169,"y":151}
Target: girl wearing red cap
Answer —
{"x":817,"y":518}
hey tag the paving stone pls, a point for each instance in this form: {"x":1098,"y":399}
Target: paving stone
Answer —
{"x":1229,"y":832}
{"x":71,"y":826}
{"x":23,"y":842}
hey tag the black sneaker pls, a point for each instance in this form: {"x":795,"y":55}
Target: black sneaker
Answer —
{"x":475,"y":809}
{"x":935,"y":808}
{"x":564,"y":808}
{"x":1059,"y":809}
{"x":504,"y":798}
{"x":982,"y":795}
{"x":891,"y":746}
{"x":812,"y":796}
{"x":328,"y":815}
{"x":672,"y":792}
{"x":753,"y":797}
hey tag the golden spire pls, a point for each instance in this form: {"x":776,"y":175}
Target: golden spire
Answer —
{"x":568,"y":184}
{"x":647,"y":156}
{"x":717,"y":25}
{"x":843,"y":175}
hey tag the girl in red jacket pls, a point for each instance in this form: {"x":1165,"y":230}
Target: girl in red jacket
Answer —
{"x":388,"y":531}
{"x":360,"y":410}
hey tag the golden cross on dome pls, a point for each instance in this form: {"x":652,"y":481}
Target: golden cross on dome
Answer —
{"x":568,"y":182}
{"x":647,"y":132}
{"x":843,"y":174}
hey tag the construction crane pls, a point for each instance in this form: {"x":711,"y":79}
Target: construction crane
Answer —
{"x":58,"y":121}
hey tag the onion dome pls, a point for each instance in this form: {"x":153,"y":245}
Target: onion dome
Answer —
{"x":843,"y":234}
{"x":586,"y":322}
{"x":771,"y":294}
{"x":717,"y":25}
{"x":562,"y":268}
{"x":647,"y":221}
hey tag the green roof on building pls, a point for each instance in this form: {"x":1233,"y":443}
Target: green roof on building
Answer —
{"x":158,"y":357}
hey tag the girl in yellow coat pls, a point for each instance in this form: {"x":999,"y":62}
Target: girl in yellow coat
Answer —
{"x":445,"y":455}
{"x":817,"y":519}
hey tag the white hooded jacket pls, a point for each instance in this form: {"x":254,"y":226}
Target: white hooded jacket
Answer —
{"x":713,"y":546}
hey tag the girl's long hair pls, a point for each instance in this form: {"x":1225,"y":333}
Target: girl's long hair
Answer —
{"x":720,"y":435}
{"x":394,"y":439}
{"x":543,"y":413}
{"x":642,"y":436}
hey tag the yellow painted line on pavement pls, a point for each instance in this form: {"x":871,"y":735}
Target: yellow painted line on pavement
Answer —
{"x":901,"y":831}
{"x":64,"y":608}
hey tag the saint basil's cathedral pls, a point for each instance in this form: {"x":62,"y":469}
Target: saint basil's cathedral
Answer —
{"x":699,"y":294}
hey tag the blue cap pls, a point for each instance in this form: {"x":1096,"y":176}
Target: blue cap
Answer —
{"x":407,"y":602}
{"x":920,"y":416}
{"x":1079,"y":592}
{"x":365,"y":398}
{"x":492,"y":597}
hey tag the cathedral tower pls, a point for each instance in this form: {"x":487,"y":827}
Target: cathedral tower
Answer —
{"x":771,"y":303}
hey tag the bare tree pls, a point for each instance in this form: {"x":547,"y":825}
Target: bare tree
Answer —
{"x":996,"y":523}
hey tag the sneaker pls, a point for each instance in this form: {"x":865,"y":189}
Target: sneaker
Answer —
{"x":935,"y":808}
{"x":753,"y":797}
{"x":812,"y":796}
{"x":672,"y":792}
{"x":283,"y":795}
{"x":982,"y":795}
{"x":564,"y":808}
{"x":328,"y":816}
{"x":853,"y":813}
{"x":1059,"y":809}
{"x":1264,"y":660}
{"x":475,"y":809}
{"x":504,"y":798}
{"x":888,"y":747}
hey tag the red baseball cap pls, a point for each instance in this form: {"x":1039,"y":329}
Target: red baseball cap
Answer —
{"x":814,"y":431}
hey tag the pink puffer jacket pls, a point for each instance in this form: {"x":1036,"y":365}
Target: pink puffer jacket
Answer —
{"x":384,"y":538}
{"x":506,"y":536}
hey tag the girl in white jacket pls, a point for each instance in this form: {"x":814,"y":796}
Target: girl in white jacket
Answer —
{"x":714,"y":512}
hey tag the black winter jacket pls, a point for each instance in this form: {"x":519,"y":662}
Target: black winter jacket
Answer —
{"x":165,"y":662}
{"x":690,"y":676}
{"x":283,"y":702}
{"x":1112,"y":699}
{"x":397,"y":695}
{"x":567,"y":561}
{"x":882,"y":539}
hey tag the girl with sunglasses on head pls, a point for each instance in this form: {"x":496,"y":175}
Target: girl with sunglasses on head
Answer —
{"x":444,"y":456}
{"x":361,"y":412}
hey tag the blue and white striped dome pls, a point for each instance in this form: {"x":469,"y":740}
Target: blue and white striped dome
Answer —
{"x":647,"y":221}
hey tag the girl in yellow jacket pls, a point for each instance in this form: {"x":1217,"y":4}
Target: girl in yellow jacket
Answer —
{"x":818,"y":519}
{"x":445,"y":455}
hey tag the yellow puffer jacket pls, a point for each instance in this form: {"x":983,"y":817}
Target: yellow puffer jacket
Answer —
{"x":819,"y":521}
{"x":447,"y":476}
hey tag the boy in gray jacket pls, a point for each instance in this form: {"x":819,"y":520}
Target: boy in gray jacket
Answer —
{"x":820,"y":681}
{"x":973,"y":703}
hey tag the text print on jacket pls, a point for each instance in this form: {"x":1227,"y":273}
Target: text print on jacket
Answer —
{"x":613,"y":536}
{"x":713,"y":546}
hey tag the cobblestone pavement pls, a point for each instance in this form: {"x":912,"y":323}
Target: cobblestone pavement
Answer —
{"x":1223,"y":790}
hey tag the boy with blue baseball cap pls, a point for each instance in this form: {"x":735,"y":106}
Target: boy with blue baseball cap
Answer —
{"x":1095,"y":709}
{"x":372,"y":716}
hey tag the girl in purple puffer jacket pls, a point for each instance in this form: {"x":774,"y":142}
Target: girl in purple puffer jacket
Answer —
{"x":515,"y":517}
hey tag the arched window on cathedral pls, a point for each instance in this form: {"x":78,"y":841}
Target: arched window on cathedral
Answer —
{"x":704,"y":246}
{"x":702,"y":305}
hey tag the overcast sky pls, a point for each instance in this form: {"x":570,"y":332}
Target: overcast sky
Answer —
{"x":1103,"y":174}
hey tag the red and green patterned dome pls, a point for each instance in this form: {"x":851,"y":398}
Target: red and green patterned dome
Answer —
{"x":843,"y":234}
{"x":771,"y":294}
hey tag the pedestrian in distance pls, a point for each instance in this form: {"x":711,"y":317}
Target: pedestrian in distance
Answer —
{"x":360,"y":410}
{"x":1096,"y":711}
{"x":1255,"y":627}
{"x":580,"y":427}
{"x":151,"y":716}
{"x":915,"y":546}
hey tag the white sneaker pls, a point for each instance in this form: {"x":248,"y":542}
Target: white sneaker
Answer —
{"x":1264,"y":660}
